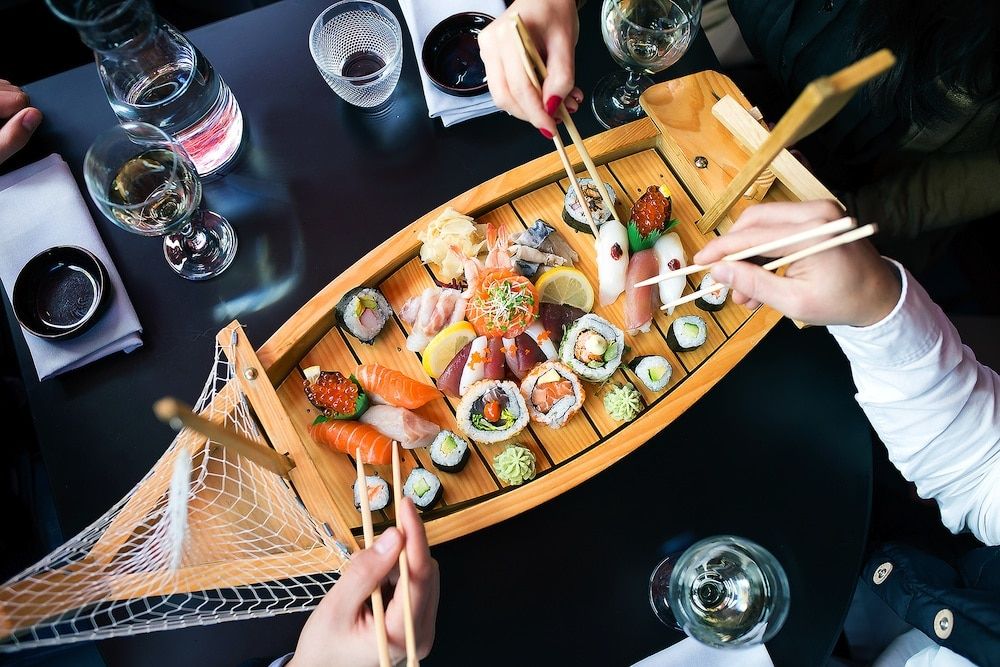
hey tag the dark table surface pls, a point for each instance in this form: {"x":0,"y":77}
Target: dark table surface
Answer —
{"x":777,"y":452}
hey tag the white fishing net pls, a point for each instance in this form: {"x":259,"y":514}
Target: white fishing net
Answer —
{"x":207,"y":536}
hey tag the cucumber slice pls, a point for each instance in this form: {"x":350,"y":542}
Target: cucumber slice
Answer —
{"x":691,"y":329}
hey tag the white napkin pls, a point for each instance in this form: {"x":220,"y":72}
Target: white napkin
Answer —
{"x":421,"y":16}
{"x":41,"y":207}
{"x":692,"y":653}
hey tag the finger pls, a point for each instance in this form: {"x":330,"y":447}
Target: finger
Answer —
{"x":572,"y":105}
{"x":528,"y":98}
{"x":561,"y":71}
{"x":792,"y":212}
{"x":418,"y":553}
{"x":754,"y":234}
{"x":14,"y":134}
{"x":12,"y":100}
{"x":786,"y":295}
{"x":364,"y":574}
{"x":577,"y":95}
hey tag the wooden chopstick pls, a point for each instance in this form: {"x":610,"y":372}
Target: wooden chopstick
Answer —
{"x":556,"y":139}
{"x":535,"y":58}
{"x":377,"y":609}
{"x":404,"y":569}
{"x":843,"y":239}
{"x":833,"y":227}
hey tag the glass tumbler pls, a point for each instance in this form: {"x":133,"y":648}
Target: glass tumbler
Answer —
{"x":358,"y":47}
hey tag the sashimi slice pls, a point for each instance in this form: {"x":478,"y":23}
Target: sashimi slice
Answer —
{"x":496,"y":368}
{"x":349,"y":436}
{"x":475,"y":368}
{"x":555,"y":317}
{"x":543,"y":338}
{"x":612,"y":260}
{"x":406,"y":428}
{"x":670,"y":257}
{"x":522,"y":354}
{"x":639,"y":302}
{"x":390,"y":386}
{"x":450,"y":381}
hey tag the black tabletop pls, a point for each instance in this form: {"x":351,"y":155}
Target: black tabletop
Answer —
{"x":778,"y":452}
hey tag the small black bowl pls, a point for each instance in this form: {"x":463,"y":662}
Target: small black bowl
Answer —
{"x":61,"y":292}
{"x":451,"y":54}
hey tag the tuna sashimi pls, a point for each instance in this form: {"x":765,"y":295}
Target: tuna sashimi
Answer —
{"x":406,"y":428}
{"x":495,"y":362}
{"x":522,"y":354}
{"x":349,"y":436}
{"x":390,"y":386}
{"x":451,"y":379}
{"x":556,"y":317}
{"x":639,"y":302}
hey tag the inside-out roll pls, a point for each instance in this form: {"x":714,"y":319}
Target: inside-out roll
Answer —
{"x":492,"y":411}
{"x":592,"y":348}
{"x":553,"y":393}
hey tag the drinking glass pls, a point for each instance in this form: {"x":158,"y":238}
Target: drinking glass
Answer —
{"x":724,"y":591}
{"x":644,"y":37}
{"x":358,"y":47}
{"x":143,"y":180}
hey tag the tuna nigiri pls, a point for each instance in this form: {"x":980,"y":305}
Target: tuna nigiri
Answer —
{"x":639,"y":301}
{"x":386,"y":385}
{"x":612,"y":260}
{"x":349,"y":436}
{"x":408,"y":429}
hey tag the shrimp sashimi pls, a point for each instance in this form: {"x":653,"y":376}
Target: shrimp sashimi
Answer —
{"x":386,"y":385}
{"x":350,"y":436}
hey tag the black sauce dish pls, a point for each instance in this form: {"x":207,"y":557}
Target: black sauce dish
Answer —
{"x":61,"y":292}
{"x":451,"y":54}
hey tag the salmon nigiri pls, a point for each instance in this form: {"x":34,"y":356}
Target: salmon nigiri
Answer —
{"x":386,"y":385}
{"x":348,"y":436}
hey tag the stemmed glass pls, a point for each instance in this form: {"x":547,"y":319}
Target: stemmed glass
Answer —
{"x":143,"y":180}
{"x":644,"y":37}
{"x":724,"y":591}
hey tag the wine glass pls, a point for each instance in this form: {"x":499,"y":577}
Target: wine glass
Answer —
{"x":143,"y":181}
{"x":724,"y":591}
{"x":644,"y":37}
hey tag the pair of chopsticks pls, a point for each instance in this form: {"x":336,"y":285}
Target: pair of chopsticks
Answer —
{"x":404,"y":570}
{"x":834,"y":227}
{"x":534,"y":66}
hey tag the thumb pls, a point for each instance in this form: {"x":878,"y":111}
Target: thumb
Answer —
{"x":14,"y":134}
{"x":561,"y":72}
{"x":365,"y":573}
{"x":782,"y":294}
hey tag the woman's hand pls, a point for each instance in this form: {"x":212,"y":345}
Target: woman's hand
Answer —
{"x":18,"y":121}
{"x":850,"y":284}
{"x":554,"y":26}
{"x":341,"y":630}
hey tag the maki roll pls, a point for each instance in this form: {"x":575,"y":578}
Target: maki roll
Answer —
{"x":553,"y":394}
{"x":449,"y":452}
{"x":338,"y":397}
{"x":592,"y":348}
{"x":492,"y":411}
{"x":652,"y":370}
{"x":378,"y":490}
{"x":423,"y":488}
{"x":362,"y":312}
{"x":714,"y":300}
{"x":686,"y":333}
{"x":573,"y":213}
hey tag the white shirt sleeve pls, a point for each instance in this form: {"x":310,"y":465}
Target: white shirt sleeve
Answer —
{"x":934,"y":406}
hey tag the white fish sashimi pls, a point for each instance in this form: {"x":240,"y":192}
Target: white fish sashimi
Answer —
{"x":540,"y":335}
{"x":475,"y":367}
{"x":406,"y":428}
{"x":612,"y":260}
{"x":670,"y":257}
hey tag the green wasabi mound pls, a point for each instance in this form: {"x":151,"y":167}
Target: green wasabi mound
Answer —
{"x":623,"y":402}
{"x":515,"y":465}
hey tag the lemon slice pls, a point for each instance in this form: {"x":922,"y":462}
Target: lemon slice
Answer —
{"x":567,"y":286}
{"x":445,"y":345}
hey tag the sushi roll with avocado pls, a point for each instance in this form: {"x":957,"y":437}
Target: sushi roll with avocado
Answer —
{"x":423,"y":488}
{"x":686,"y":333}
{"x":449,"y":452}
{"x":553,"y":394}
{"x":573,"y":213}
{"x":362,"y":312}
{"x":652,"y":370}
{"x":379,"y":493}
{"x":492,"y":411}
{"x":714,"y":300}
{"x":592,"y":348}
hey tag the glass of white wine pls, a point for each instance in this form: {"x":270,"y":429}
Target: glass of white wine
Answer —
{"x":644,"y":37}
{"x":143,"y":180}
{"x":723,"y":591}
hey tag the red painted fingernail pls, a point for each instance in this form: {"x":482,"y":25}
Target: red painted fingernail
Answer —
{"x":545,"y":133}
{"x":552,"y":105}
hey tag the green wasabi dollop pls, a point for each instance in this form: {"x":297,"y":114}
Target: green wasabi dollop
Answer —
{"x":623,"y":402}
{"x":515,"y":465}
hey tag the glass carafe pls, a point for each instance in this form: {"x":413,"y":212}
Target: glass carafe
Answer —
{"x":153,"y":74}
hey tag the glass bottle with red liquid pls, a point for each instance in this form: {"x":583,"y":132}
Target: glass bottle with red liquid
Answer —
{"x":152,"y":73}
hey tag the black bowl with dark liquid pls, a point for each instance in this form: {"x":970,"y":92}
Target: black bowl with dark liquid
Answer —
{"x":61,"y":292}
{"x":451,"y":54}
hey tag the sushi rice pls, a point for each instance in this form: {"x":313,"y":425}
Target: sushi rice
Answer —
{"x":714,"y":300}
{"x":423,"y":487}
{"x":379,"y":493}
{"x":652,"y":370}
{"x":449,"y":452}
{"x":473,"y":422}
{"x":592,"y":348}
{"x":573,"y":214}
{"x":686,"y":333}
{"x":363,"y":312}
{"x":564,"y":407}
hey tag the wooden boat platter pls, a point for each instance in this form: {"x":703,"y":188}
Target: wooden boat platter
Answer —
{"x":682,"y":145}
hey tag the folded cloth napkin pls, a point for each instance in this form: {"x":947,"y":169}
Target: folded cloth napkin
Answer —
{"x":41,"y":207}
{"x":692,"y":653}
{"x":421,"y":16}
